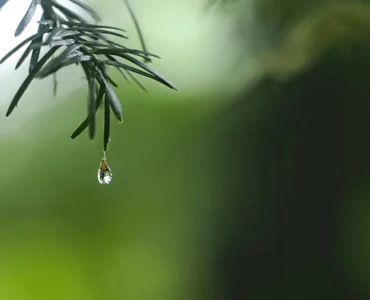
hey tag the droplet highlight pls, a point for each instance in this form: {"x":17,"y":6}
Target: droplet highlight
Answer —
{"x":104,"y":173}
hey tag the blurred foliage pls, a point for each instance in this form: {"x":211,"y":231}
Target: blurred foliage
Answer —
{"x":212,"y":197}
{"x":329,"y":26}
{"x":264,"y":24}
{"x":296,"y":142}
{"x":144,"y":237}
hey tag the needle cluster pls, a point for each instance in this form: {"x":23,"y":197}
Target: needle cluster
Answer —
{"x":73,"y":39}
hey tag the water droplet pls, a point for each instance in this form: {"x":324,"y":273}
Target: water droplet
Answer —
{"x":104,"y":173}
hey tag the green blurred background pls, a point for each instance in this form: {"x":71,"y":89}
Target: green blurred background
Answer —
{"x":65,"y":236}
{"x":203,"y":178}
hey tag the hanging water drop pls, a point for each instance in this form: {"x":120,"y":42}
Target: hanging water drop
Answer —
{"x":104,"y":173}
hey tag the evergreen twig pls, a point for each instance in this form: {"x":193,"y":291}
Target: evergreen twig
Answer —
{"x":87,"y":44}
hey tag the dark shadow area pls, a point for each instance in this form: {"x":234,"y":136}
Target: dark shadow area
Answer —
{"x":293,"y":151}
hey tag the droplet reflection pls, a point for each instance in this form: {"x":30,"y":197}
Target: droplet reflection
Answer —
{"x":104,"y":173}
